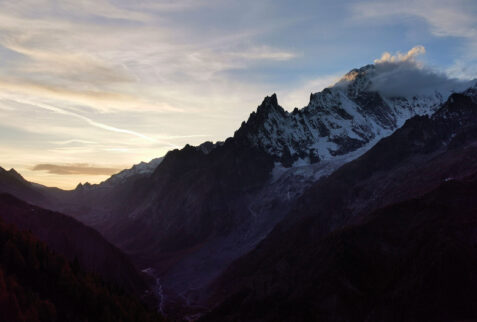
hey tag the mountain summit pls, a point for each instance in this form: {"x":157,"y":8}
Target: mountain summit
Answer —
{"x":350,"y":115}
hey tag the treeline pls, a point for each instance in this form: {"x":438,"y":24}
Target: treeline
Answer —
{"x":37,"y":284}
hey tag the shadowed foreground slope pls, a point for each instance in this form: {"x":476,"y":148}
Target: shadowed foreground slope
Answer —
{"x":36,"y":284}
{"x":73,"y":240}
{"x":412,"y":261}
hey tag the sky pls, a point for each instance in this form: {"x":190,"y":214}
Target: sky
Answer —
{"x":90,"y":87}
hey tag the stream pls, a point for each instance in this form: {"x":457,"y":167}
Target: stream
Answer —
{"x":157,"y":289}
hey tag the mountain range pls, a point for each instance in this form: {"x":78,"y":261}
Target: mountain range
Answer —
{"x":365,"y":226}
{"x":314,"y":214}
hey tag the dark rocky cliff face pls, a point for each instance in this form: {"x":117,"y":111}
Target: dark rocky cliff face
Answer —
{"x":194,"y":194}
{"x":410,"y":261}
{"x":331,"y":233}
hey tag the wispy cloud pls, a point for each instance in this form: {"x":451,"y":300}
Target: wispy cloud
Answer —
{"x":73,"y":141}
{"x":111,"y":65}
{"x":99,"y":100}
{"x":90,"y":121}
{"x":264,"y":53}
{"x":404,"y":75}
{"x":177,"y":5}
{"x":446,"y":18}
{"x":74,"y":169}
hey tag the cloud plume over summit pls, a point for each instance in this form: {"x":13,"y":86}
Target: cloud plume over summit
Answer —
{"x":400,"y":57}
{"x":404,"y":75}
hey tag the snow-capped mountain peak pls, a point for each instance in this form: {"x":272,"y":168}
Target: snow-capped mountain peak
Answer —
{"x":357,"y":80}
{"x":338,"y":120}
{"x":137,"y":170}
{"x":140,"y":169}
